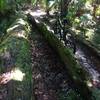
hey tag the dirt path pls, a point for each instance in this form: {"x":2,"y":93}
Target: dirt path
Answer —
{"x":49,"y":74}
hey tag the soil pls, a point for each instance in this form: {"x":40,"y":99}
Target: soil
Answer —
{"x":49,"y":73}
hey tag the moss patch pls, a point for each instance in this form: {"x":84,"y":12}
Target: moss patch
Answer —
{"x":15,"y":54}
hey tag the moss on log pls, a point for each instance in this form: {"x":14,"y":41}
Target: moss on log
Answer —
{"x":15,"y":59}
{"x":76,"y":72}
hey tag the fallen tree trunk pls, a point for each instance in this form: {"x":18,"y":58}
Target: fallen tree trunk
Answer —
{"x":77,"y":74}
{"x":15,"y":63}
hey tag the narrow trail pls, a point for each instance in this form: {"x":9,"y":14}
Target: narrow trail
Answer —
{"x":49,"y":74}
{"x":55,"y":71}
{"x":87,"y":59}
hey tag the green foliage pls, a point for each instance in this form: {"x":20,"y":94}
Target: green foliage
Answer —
{"x":34,"y":2}
{"x":83,"y":16}
{"x":19,"y":49}
{"x":11,"y":5}
{"x":5,"y":22}
{"x":6,"y":5}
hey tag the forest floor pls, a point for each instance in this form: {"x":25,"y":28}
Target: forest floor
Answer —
{"x":50,"y":78}
{"x":84,"y":55}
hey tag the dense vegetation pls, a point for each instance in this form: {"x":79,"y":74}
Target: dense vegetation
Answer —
{"x":83,"y":20}
{"x":84,"y":15}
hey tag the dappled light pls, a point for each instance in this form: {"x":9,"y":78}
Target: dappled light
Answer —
{"x":37,"y":13}
{"x":12,"y":28}
{"x":15,"y":74}
{"x":90,"y":33}
{"x":20,"y":34}
{"x":50,"y":49}
{"x":88,"y":6}
{"x":21,"y":21}
{"x":49,"y":28}
{"x":37,"y":21}
{"x":19,"y":29}
{"x":89,"y":84}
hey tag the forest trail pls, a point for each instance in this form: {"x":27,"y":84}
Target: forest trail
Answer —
{"x":49,"y":50}
{"x":50,"y":77}
{"x":84,"y":55}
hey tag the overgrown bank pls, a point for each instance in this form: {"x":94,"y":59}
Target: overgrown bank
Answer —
{"x":15,"y":62}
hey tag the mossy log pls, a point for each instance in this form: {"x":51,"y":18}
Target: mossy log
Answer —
{"x":77,"y":74}
{"x":15,"y":61}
